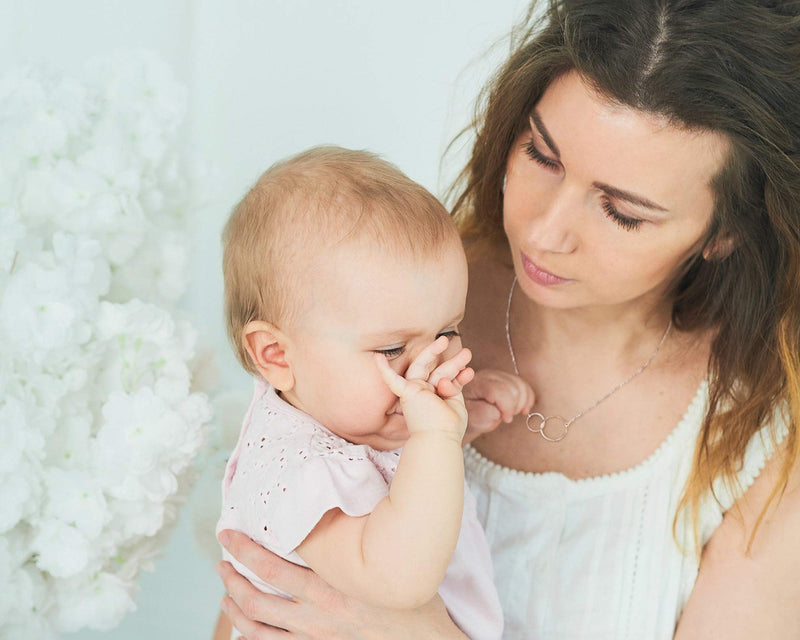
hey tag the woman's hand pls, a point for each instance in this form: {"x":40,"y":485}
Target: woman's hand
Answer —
{"x":493,"y":397}
{"x":316,"y":610}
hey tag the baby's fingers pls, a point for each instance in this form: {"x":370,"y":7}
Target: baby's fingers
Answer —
{"x":509,"y":393}
{"x":451,"y":368}
{"x":448,"y":388}
{"x":395,"y":382}
{"x":465,"y":376}
{"x":425,"y":362}
{"x":522,"y":398}
{"x":528,"y":398}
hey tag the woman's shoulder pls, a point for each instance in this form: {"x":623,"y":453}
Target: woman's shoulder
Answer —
{"x":748,"y":587}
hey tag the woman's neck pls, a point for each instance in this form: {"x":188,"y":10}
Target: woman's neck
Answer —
{"x":620,"y":334}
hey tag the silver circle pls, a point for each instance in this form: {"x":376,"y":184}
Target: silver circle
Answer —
{"x":561,"y":436}
{"x":541,"y":422}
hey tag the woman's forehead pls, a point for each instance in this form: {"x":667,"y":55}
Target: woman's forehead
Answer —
{"x":605,"y":142}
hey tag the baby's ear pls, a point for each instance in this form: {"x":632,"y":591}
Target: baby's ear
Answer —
{"x":266,"y":346}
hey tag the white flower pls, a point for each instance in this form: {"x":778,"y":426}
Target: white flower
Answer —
{"x":11,"y":234}
{"x":74,"y":498}
{"x":50,"y":302}
{"x":24,"y":598}
{"x":63,"y":550}
{"x":18,"y":491}
{"x":66,"y":447}
{"x":61,"y":188}
{"x":137,"y":518}
{"x":12,"y":434}
{"x":39,"y":113}
{"x":98,"y":602}
{"x":38,"y":311}
{"x":7,"y":569}
{"x":143,"y":427}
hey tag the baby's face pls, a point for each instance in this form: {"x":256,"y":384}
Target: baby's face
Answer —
{"x":361,"y":301}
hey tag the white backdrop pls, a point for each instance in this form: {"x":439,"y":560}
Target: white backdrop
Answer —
{"x":267,"y":79}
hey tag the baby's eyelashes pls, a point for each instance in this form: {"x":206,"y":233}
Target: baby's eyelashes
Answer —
{"x":396,"y":350}
{"x":392,"y":352}
{"x":449,"y":333}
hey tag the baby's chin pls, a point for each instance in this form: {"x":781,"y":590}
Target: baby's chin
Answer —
{"x":393,"y":435}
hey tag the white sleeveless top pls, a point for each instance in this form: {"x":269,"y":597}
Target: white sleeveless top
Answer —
{"x":596,"y":558}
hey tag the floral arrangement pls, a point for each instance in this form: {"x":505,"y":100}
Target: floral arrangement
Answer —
{"x":99,"y":420}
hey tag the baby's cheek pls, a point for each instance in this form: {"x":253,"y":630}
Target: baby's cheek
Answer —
{"x":400,"y":365}
{"x":383,"y":401}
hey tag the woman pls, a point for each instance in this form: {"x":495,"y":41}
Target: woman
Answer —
{"x":632,"y":207}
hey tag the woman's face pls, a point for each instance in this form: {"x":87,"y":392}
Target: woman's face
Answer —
{"x":603,"y":203}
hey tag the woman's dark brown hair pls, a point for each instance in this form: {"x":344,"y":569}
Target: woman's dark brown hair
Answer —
{"x":729,"y":66}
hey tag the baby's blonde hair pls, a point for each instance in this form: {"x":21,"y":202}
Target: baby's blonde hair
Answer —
{"x":319,"y":199}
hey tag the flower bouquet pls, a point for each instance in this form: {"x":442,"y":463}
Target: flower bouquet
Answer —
{"x":99,"y":421}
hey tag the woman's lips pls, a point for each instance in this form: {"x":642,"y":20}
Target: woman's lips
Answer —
{"x":539,"y":275}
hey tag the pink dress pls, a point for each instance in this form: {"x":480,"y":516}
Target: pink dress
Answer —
{"x":287,"y":471}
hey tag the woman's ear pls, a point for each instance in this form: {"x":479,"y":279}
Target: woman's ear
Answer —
{"x":266,"y":346}
{"x":719,"y":248}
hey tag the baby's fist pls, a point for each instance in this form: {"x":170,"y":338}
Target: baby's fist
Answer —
{"x":493,"y":397}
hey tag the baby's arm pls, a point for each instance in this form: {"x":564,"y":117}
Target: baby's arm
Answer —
{"x":397,"y":555}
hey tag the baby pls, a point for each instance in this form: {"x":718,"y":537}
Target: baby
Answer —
{"x":344,"y":285}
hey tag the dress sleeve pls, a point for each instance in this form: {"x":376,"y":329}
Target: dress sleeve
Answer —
{"x":283,"y":495}
{"x":760,"y":449}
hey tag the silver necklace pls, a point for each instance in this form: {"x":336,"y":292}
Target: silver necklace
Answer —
{"x":537,"y":422}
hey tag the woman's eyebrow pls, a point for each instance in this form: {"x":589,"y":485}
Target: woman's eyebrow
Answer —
{"x":539,"y":126}
{"x":620,"y":194}
{"x":627,"y":196}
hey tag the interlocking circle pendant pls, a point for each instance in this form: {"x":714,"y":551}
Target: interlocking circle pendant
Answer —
{"x":557,"y":426}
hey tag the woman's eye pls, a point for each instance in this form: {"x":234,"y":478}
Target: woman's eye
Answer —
{"x":538,"y":156}
{"x":626,"y":222}
{"x":392,"y":352}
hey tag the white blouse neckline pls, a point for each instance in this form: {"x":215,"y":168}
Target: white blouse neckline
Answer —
{"x":687,"y":426}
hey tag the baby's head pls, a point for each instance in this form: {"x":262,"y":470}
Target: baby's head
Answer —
{"x":332,"y":255}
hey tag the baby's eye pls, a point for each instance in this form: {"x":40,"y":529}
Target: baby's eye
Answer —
{"x":450,"y":333}
{"x":392,"y":352}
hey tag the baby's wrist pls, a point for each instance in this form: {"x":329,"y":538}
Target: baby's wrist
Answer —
{"x":435,"y":433}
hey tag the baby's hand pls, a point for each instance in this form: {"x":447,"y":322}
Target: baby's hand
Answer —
{"x":494,"y":397}
{"x":430,"y":395}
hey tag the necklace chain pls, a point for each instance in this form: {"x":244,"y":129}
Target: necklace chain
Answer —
{"x":537,"y":422}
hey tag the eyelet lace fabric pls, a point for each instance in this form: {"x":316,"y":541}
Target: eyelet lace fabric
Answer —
{"x":287,"y":471}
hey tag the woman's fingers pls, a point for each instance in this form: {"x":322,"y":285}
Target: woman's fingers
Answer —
{"x":272,"y":569}
{"x":247,"y":607}
{"x":250,"y":629}
{"x":316,"y":609}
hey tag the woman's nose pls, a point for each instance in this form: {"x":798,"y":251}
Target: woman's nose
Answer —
{"x":554,"y":229}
